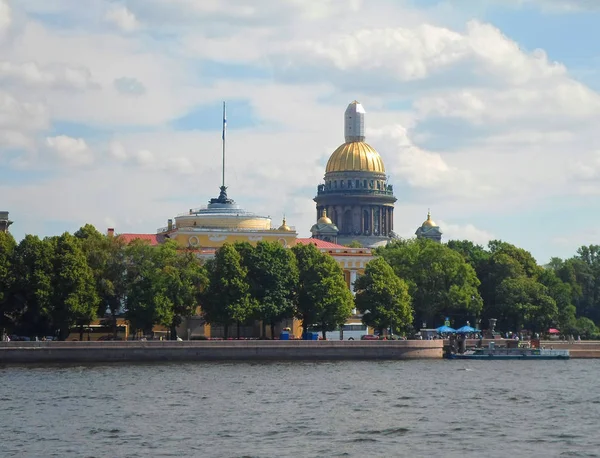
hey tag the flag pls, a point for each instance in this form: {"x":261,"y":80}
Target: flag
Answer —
{"x":224,"y":122}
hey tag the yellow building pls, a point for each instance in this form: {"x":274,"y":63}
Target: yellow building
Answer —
{"x":223,"y":221}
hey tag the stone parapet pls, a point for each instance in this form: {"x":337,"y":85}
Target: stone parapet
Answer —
{"x":263,"y":350}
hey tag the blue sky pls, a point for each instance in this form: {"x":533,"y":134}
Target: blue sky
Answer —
{"x":485,"y":112}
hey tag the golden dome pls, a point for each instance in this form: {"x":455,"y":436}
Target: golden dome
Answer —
{"x":324,"y":219}
{"x":284,"y":226}
{"x":355,"y":157}
{"x":429,"y":222}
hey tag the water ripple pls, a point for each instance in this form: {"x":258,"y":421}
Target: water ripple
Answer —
{"x":349,"y":409}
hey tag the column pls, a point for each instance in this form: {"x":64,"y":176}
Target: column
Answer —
{"x":352,"y":280}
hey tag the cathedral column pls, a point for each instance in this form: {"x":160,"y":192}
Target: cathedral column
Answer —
{"x":352,"y":280}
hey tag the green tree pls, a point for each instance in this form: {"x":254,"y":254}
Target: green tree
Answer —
{"x":107,"y":258}
{"x":562,"y":295}
{"x":179,"y":285}
{"x":525,"y":303}
{"x":476,"y":255}
{"x":141,"y":274}
{"x":441,"y":283}
{"x":323,"y":298}
{"x":273,"y":277}
{"x":228,"y":298}
{"x":7,"y":280}
{"x":33,"y":286}
{"x":383,"y":298}
{"x":588,"y":273}
{"x":528,"y":263}
{"x":586,"y":328}
{"x":74,"y":299}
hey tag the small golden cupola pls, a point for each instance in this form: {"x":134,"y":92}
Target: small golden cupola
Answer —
{"x":429,"y":222}
{"x":284,"y":226}
{"x":324,"y":219}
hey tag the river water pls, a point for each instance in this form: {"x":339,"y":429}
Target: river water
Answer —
{"x":353,"y":409}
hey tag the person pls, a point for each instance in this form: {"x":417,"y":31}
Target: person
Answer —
{"x":578,"y":338}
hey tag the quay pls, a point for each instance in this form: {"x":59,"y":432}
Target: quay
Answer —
{"x":216,"y":350}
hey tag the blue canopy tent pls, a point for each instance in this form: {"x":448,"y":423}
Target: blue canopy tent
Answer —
{"x":444,"y":329}
{"x":466,"y":330}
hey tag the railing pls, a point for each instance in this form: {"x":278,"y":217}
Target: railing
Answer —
{"x":321,"y":191}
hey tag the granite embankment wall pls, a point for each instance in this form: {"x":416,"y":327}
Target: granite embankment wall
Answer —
{"x":253,"y":350}
{"x":583,"y":349}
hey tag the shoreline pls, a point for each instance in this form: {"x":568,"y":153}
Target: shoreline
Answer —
{"x":256,"y":350}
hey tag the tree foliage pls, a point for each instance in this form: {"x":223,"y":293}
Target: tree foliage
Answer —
{"x":74,"y":300}
{"x":272,"y":274}
{"x":228,"y":299}
{"x":383,"y":298}
{"x":7,"y":278}
{"x":441,"y":282}
{"x":323,"y":299}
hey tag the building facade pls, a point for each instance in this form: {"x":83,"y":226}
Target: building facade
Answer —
{"x":355,"y":195}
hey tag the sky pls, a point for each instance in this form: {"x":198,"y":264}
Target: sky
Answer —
{"x":487,"y":112}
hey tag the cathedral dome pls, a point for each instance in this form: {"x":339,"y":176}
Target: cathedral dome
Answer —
{"x":355,"y":157}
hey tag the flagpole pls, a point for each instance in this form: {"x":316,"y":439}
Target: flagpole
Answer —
{"x":224,"y":128}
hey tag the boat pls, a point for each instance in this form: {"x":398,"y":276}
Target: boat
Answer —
{"x":493,"y":352}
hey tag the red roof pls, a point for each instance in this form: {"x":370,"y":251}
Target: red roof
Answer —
{"x":321,"y":244}
{"x":128,"y":238}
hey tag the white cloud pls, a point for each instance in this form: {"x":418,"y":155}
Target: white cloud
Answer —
{"x":5,"y":17}
{"x":57,"y":76}
{"x":144,"y":158}
{"x":117,"y":151}
{"x":465,"y":232}
{"x":463,"y":116}
{"x":407,"y":54}
{"x":122,"y":18}
{"x":422,"y":169}
{"x":73,"y":151}
{"x":22,"y":115}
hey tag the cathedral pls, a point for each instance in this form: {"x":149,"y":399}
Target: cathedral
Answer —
{"x":355,"y":202}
